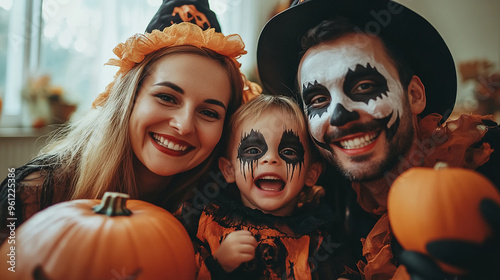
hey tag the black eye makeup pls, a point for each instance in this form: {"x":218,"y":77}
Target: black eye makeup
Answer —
{"x":364,"y":84}
{"x":291,"y":151}
{"x":252,"y":147}
{"x":316,"y":98}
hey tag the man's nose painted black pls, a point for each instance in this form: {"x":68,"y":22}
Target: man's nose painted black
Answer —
{"x":341,"y":116}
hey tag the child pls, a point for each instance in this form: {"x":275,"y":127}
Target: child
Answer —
{"x":272,"y":161}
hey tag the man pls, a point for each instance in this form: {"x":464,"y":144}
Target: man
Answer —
{"x":375,"y":80}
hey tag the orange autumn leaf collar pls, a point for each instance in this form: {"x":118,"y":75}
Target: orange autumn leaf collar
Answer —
{"x":135,"y":49}
{"x":453,"y":143}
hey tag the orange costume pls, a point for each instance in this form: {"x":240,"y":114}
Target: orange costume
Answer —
{"x":294,"y":247}
{"x":455,"y":143}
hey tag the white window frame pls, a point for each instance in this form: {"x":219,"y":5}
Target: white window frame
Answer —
{"x":23,"y":49}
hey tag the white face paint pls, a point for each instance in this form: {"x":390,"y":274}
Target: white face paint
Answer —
{"x":353,"y":98}
{"x":329,"y":67}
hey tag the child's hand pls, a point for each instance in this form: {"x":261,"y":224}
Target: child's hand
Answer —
{"x":238,"y":247}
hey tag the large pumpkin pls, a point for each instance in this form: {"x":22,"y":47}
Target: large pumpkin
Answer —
{"x":427,"y":204}
{"x":130,"y":240}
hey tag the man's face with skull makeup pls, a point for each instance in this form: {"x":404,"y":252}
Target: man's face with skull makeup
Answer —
{"x":270,"y":161}
{"x":358,"y":111}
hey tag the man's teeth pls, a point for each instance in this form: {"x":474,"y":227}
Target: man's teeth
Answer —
{"x":359,"y":142}
{"x":168,"y":144}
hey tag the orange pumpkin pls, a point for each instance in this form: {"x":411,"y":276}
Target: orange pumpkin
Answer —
{"x":426,"y":204}
{"x":130,"y":240}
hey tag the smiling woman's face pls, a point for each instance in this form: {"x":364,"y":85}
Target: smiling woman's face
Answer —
{"x":179,"y":113}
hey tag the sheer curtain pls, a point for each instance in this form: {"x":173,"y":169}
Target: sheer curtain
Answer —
{"x":13,"y":55}
{"x":79,"y":35}
{"x":71,"y":40}
{"x":78,"y":39}
{"x":247,"y":18}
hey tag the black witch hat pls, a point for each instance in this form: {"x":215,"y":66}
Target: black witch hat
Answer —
{"x":177,"y":11}
{"x":278,"y":51}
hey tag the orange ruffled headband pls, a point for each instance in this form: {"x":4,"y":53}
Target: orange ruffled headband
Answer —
{"x":138,"y":46}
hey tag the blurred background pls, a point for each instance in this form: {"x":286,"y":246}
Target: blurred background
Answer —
{"x":52,"y":55}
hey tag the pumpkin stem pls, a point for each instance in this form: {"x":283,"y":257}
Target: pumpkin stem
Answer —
{"x":440,"y":165}
{"x":39,"y":273}
{"x":113,"y":204}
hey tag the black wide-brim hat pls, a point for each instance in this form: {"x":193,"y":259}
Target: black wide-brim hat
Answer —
{"x":279,"y":50}
{"x":177,"y":11}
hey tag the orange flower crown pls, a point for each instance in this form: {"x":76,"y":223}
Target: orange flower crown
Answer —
{"x":135,"y":49}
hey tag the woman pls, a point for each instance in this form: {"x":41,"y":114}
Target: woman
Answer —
{"x":152,"y":134}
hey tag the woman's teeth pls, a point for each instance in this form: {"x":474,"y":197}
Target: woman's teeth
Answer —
{"x":359,"y":142}
{"x":168,"y":144}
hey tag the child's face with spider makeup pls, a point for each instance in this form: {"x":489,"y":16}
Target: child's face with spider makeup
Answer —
{"x":270,"y":162}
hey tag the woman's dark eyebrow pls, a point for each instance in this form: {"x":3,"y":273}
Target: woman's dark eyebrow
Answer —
{"x":170,"y":85}
{"x":216,"y":102}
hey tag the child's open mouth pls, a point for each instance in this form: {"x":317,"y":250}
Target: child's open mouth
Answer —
{"x":270,"y":183}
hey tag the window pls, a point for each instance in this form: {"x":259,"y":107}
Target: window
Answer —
{"x":14,"y":32}
{"x":69,"y":41}
{"x":5,"y":11}
{"x":79,"y":36}
{"x":66,"y":40}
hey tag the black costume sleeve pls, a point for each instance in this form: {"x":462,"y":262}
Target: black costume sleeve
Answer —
{"x":11,"y":204}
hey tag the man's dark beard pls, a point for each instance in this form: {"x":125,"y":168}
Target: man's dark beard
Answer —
{"x":396,"y":151}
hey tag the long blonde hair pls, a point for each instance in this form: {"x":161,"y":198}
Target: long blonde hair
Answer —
{"x":94,"y":155}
